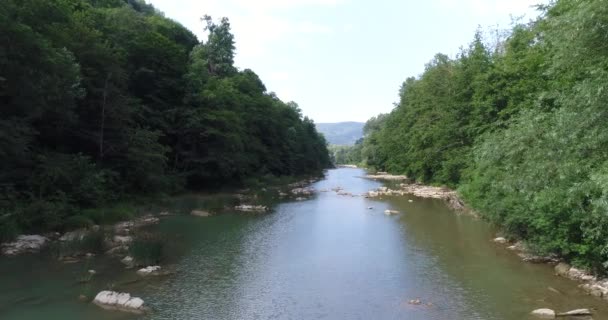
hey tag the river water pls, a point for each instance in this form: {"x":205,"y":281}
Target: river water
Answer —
{"x":329,"y":257}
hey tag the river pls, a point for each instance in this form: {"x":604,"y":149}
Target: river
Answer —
{"x":329,"y":257}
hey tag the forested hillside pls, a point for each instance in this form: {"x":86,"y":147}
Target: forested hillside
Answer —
{"x":520,"y":128}
{"x":104,"y":99}
{"x":341,"y":133}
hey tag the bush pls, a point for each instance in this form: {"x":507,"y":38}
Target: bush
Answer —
{"x":110,"y":215}
{"x":8,"y":229}
{"x":78,"y":222}
{"x":43,"y":215}
{"x":92,"y":242}
{"x":147,"y":249}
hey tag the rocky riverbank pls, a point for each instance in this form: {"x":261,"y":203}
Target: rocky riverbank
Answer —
{"x":419,"y":190}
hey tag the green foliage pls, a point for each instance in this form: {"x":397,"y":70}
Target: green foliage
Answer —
{"x":8,"y":229}
{"x":521,"y":131}
{"x":103,"y":99}
{"x":147,"y":249}
{"x":92,"y":242}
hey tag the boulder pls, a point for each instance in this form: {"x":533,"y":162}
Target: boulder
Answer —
{"x":200,"y":213}
{"x":149,"y":271}
{"x":500,"y":240}
{"x":119,"y":301}
{"x":128,"y":261}
{"x":76,"y":235}
{"x":561,"y":269}
{"x":578,"y":274}
{"x":544,"y":313}
{"x":23,"y":244}
{"x":575,"y":313}
{"x":122,"y":240}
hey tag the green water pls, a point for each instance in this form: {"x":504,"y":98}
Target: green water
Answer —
{"x":329,"y":257}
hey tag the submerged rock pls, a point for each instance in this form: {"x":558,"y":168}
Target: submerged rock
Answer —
{"x":23,"y":244}
{"x":544,"y":313}
{"x":119,"y":301}
{"x":200,"y":213}
{"x":575,"y":313}
{"x":391,"y":212}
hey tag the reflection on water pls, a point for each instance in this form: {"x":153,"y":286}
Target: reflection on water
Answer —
{"x":329,"y":257}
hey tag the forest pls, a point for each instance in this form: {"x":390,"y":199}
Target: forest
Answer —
{"x":105,"y":100}
{"x":518,"y":125}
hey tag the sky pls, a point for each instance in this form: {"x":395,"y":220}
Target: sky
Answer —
{"x":344,"y":60}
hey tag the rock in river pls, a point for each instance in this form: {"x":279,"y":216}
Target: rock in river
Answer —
{"x":119,"y":301}
{"x":24,"y":243}
{"x":575,"y":313}
{"x":544,"y":313}
{"x":391,"y":212}
{"x":150,"y":271}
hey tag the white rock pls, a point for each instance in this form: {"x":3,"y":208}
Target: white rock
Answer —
{"x":147,"y":271}
{"x":544,"y":313}
{"x":577,"y":312}
{"x":391,"y":212}
{"x":501,"y":240}
{"x":119,"y":301}
{"x":24,"y":243}
{"x":128,"y":261}
{"x":251,"y":208}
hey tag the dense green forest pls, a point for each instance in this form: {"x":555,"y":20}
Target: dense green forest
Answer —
{"x":105,"y":99}
{"x":520,"y":127}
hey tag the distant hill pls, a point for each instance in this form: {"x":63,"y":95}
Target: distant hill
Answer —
{"x":341,"y":133}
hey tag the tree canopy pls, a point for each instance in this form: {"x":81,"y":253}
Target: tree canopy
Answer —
{"x":519,"y":129}
{"x":102,"y":99}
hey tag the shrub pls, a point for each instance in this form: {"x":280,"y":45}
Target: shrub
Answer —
{"x":78,"y":222}
{"x":147,"y":249}
{"x":8,"y":229}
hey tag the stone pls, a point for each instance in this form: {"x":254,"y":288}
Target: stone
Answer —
{"x":149,"y":271}
{"x":119,"y":301}
{"x":128,"y":261}
{"x":391,"y":212}
{"x":575,"y":313}
{"x":23,"y":244}
{"x":561,"y":269}
{"x":251,"y":208}
{"x":500,"y":240}
{"x":122,"y":240}
{"x":544,"y":313}
{"x":200,"y":213}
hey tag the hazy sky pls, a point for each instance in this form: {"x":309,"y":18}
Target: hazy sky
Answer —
{"x":344,"y":60}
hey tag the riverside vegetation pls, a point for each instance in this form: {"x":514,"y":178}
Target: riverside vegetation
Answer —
{"x":104,"y":101}
{"x":518,"y":127}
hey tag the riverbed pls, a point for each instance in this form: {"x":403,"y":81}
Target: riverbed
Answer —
{"x":328,"y":257}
